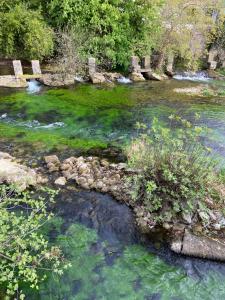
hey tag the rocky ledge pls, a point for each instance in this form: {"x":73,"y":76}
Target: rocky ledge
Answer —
{"x":14,"y":173}
{"x":93,"y":173}
{"x":185,"y":233}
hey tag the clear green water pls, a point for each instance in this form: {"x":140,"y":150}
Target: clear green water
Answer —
{"x":87,"y":116}
{"x":110,"y":259}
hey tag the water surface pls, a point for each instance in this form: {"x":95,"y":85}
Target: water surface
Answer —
{"x":110,"y":258}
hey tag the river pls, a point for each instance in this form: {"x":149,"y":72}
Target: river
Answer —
{"x":110,"y":258}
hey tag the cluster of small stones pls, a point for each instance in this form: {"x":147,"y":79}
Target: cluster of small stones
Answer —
{"x":93,"y":173}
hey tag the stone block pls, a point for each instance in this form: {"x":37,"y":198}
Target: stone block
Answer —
{"x":146,"y":62}
{"x":92,"y":65}
{"x":135,"y":64}
{"x":17,"y":66}
{"x":36,"y":66}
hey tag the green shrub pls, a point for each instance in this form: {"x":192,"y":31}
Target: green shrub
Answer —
{"x":25,"y":255}
{"x":24,"y":34}
{"x":177,"y":173}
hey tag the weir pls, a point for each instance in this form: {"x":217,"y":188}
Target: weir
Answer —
{"x":19,"y":79}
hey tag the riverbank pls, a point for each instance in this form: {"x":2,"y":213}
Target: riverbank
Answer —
{"x":185,"y":235}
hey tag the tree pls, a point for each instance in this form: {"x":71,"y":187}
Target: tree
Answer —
{"x":25,"y":255}
{"x":118,"y":28}
{"x":186,"y":28}
{"x":24,"y":33}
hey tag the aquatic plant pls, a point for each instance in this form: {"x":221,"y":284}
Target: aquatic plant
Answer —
{"x":179,"y":174}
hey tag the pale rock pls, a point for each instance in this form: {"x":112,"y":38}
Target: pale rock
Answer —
{"x":187,"y":217}
{"x":137,"y":77}
{"x":19,"y":175}
{"x":97,"y":78}
{"x":61,"y":181}
{"x":52,"y":159}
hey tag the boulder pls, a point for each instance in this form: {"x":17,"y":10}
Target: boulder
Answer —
{"x":137,"y":77}
{"x":155,"y":76}
{"x":53,"y":163}
{"x":97,"y":78}
{"x":61,"y":181}
{"x":19,"y":175}
{"x":112,"y":76}
{"x":199,"y":246}
{"x":56,"y":80}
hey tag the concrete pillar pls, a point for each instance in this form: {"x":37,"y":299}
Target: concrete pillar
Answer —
{"x":170,"y":63}
{"x":17,"y":66}
{"x":212,"y":55}
{"x":92,"y":65}
{"x":135,"y":64}
{"x":146,"y":62}
{"x":36,"y":66}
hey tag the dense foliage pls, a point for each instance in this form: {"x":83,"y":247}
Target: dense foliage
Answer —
{"x":178,"y":173}
{"x":24,"y":252}
{"x":24,"y":34}
{"x":117,"y":28}
{"x":113,"y":30}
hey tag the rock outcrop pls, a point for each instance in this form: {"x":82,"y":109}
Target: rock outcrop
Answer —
{"x":57,"y":80}
{"x":13,"y":173}
{"x":104,"y":77}
{"x":199,"y":246}
{"x":137,"y":77}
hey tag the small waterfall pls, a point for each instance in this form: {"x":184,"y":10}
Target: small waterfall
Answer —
{"x":193,"y":76}
{"x":124,"y":80}
{"x":79,"y":78}
{"x":33,"y":86}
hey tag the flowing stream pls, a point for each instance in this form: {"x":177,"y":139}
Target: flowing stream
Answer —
{"x":110,"y":258}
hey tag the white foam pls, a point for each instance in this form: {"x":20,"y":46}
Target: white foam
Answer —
{"x":79,"y":78}
{"x":4,"y":116}
{"x":124,"y":80}
{"x":193,"y":76}
{"x":33,"y":87}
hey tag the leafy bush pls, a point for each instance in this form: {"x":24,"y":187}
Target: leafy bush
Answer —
{"x":117,"y":29}
{"x":24,"y":34}
{"x":25,"y":256}
{"x":178,"y":174}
